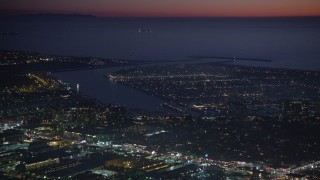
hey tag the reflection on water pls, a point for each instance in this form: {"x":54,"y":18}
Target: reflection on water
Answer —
{"x":94,"y":84}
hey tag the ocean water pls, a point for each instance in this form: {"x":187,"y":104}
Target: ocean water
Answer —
{"x":288,"y":42}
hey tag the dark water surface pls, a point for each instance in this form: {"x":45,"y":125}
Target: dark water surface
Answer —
{"x":288,"y":42}
{"x":94,"y":84}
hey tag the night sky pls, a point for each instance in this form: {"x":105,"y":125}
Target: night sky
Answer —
{"x":179,"y":8}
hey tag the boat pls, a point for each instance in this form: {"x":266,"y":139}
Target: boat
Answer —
{"x":144,"y":30}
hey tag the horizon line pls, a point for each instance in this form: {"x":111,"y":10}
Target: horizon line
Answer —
{"x":118,"y":16}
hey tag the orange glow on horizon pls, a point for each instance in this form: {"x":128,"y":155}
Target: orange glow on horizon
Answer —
{"x":168,"y":8}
